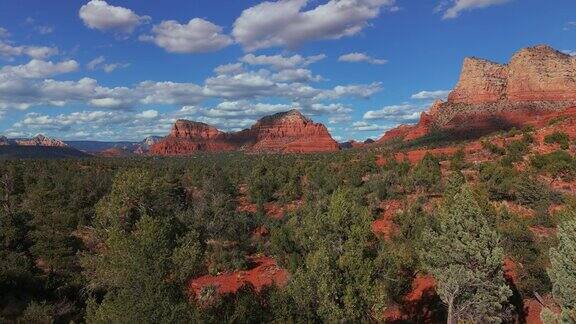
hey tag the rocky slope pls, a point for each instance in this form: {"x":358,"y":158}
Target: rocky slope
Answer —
{"x":286,"y":132}
{"x":491,"y":96}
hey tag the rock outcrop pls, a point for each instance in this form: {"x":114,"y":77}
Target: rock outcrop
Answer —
{"x":38,"y":140}
{"x":286,"y":132}
{"x":491,"y":96}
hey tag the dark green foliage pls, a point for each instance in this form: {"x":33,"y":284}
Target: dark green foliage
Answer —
{"x":528,"y":254}
{"x":558,"y":164}
{"x":464,"y":255}
{"x":562,"y":270}
{"x":493,"y":148}
{"x":427,"y":174}
{"x":558,"y":138}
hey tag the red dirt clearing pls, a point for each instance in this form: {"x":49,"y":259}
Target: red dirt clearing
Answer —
{"x":264,"y":273}
{"x":385,"y":225}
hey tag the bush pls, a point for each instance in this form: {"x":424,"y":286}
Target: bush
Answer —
{"x":559,"y":138}
{"x":557,"y":164}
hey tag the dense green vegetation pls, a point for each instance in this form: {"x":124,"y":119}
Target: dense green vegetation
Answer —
{"x":117,"y":240}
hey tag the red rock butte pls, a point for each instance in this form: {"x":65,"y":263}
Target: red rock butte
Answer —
{"x":285,"y":132}
{"x":491,"y":96}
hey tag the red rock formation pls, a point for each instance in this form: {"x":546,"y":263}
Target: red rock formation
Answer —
{"x":188,"y":137}
{"x":491,"y":96}
{"x":290,"y":132}
{"x":287,"y":132}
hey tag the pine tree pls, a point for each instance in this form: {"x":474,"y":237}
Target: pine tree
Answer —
{"x":562,"y":270}
{"x":465,"y":257}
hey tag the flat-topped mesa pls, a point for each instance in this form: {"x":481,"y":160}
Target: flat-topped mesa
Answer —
{"x":286,"y":132}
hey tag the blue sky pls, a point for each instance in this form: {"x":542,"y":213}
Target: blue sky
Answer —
{"x":122,"y":70}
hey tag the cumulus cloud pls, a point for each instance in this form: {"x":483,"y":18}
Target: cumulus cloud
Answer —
{"x":98,"y":14}
{"x":454,"y":8}
{"x":232,"y":68}
{"x":197,"y":36}
{"x":286,"y":23}
{"x":99,"y":63}
{"x":396,"y":113}
{"x":428,"y":95}
{"x":37,"y":52}
{"x":38,"y":69}
{"x":281,"y":62}
{"x":361,"y":57}
{"x":368,"y":127}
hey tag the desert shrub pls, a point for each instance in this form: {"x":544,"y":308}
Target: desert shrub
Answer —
{"x":499,"y":180}
{"x":515,"y":151}
{"x":427,"y":174}
{"x":493,"y":148}
{"x":557,"y":164}
{"x":558,"y":138}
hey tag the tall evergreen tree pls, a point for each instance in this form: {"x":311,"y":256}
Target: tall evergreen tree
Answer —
{"x":562,"y":270}
{"x":464,"y":256}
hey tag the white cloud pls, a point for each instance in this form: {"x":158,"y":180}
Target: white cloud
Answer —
{"x":355,"y":90}
{"x":296,"y":75}
{"x":280,"y":62}
{"x":148,"y":114}
{"x":361,"y":57}
{"x":198,"y":36}
{"x":99,"y":63}
{"x":233,"y":68}
{"x":98,"y":14}
{"x":397,"y":113}
{"x":37,"y":52}
{"x":38,"y":69}
{"x":569,"y":52}
{"x":453,"y":8}
{"x":367,"y":127}
{"x":285,"y":23}
{"x":427,"y":95}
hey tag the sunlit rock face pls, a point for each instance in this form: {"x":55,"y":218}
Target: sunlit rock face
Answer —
{"x":491,"y":96}
{"x":287,"y":132}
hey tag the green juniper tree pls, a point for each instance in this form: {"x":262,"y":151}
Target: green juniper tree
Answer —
{"x":562,"y":270}
{"x":464,"y":256}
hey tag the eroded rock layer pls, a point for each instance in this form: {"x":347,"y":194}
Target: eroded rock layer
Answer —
{"x":286,"y":132}
{"x":491,"y":96}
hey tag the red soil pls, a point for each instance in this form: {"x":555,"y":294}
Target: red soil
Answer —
{"x":264,"y":273}
{"x":385,"y":225}
{"x":417,"y":303}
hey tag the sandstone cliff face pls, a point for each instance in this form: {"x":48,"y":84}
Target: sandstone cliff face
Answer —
{"x":188,"y":136}
{"x":538,"y":73}
{"x":491,"y":96}
{"x":290,"y":132}
{"x":541,"y":73}
{"x":480,"y":81}
{"x":287,"y":132}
